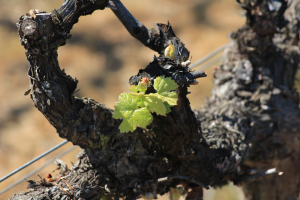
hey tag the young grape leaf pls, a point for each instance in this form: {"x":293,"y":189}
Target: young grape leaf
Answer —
{"x":162,"y":84}
{"x":140,"y":88}
{"x":133,"y":116}
{"x":155,"y":104}
{"x":169,"y":97}
{"x":134,"y":88}
{"x":135,"y":107}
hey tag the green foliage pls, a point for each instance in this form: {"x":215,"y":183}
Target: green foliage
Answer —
{"x":135,"y":107}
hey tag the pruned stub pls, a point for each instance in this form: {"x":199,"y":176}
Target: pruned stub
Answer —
{"x":176,"y":68}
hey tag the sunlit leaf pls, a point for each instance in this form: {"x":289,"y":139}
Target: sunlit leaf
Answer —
{"x":135,"y":107}
{"x":162,"y":84}
{"x":155,"y":104}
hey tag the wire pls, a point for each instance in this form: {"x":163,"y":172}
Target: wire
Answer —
{"x":38,"y":169}
{"x":33,"y":160}
{"x":207,"y":57}
{"x":210,"y":63}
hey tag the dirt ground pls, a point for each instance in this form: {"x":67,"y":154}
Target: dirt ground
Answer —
{"x":102,"y":55}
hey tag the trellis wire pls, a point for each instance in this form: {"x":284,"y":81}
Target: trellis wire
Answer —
{"x":210,"y":63}
{"x":33,"y":160}
{"x":37,"y":170}
{"x":209,"y":56}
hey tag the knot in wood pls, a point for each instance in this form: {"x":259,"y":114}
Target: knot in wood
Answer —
{"x":30,"y":28}
{"x":35,"y":50}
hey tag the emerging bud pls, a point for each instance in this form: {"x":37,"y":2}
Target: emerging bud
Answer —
{"x":170,"y":52}
{"x":145,"y":81}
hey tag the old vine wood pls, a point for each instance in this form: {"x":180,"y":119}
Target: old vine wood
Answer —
{"x":249,"y":125}
{"x":254,"y":100}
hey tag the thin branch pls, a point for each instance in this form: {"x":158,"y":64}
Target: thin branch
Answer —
{"x":134,"y":27}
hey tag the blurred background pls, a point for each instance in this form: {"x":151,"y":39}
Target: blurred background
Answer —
{"x":102,"y":55}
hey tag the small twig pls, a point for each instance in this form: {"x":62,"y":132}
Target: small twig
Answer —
{"x":248,"y":178}
{"x":62,"y":189}
{"x":40,"y":176}
{"x":68,"y":184}
{"x":134,"y":27}
{"x":162,"y":179}
{"x":44,"y":182}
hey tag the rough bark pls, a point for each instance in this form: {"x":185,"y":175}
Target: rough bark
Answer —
{"x":254,"y":100}
{"x":113,"y":164}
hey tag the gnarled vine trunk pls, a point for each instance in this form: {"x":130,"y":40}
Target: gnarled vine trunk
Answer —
{"x":255,"y":100}
{"x":245,"y":122}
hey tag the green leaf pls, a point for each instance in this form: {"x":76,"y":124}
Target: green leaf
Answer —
{"x":135,"y":107}
{"x":162,"y":84}
{"x":132,"y":115}
{"x":155,"y":104}
{"x":134,"y":89}
{"x":169,"y":97}
{"x":140,"y":88}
